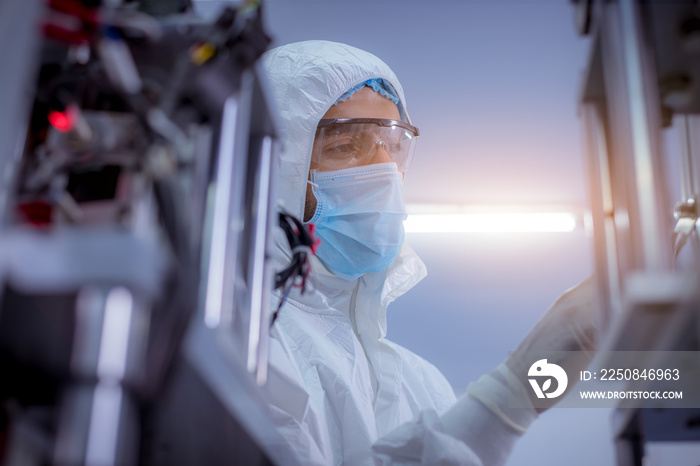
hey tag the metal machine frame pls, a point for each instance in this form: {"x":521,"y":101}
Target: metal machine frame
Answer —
{"x":641,"y":77}
{"x":141,"y":340}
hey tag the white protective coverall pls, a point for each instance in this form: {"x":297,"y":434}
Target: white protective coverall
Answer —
{"x":336,"y":384}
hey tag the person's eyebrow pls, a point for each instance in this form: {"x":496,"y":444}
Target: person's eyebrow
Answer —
{"x":339,"y":129}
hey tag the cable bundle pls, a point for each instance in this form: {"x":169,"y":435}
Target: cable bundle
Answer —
{"x":302,"y":243}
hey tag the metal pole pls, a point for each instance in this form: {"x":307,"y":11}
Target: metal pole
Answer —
{"x":20,"y":31}
{"x":216,"y":300}
{"x":98,"y":420}
{"x":260,"y":273}
{"x":644,"y":124}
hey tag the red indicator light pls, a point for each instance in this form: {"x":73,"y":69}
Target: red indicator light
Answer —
{"x":62,"y":121}
{"x":37,"y":213}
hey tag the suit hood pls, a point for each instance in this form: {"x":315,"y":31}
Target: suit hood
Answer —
{"x":307,"y":78}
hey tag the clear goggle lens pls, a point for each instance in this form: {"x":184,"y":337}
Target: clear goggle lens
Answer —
{"x":354,"y":142}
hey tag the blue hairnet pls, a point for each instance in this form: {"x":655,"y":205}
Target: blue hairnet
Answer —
{"x":378,"y":85}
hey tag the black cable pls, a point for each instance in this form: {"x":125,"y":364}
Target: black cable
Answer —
{"x":302,"y":243}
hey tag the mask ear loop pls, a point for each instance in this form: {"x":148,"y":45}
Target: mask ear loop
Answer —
{"x":314,"y":185}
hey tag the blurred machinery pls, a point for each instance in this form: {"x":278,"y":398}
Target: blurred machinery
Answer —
{"x":640,"y":102}
{"x":137,"y":148}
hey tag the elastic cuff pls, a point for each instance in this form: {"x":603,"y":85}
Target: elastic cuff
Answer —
{"x":492,"y":391}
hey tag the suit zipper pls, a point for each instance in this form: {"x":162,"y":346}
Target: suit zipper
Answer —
{"x":353,"y":322}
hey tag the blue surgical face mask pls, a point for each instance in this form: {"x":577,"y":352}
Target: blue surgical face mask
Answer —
{"x":359,"y":218}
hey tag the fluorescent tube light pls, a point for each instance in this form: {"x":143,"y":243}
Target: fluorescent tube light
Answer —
{"x":480,"y":221}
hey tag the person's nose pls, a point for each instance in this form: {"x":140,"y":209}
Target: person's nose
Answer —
{"x":380,"y":153}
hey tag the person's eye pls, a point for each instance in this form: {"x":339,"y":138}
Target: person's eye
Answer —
{"x":341,"y":149}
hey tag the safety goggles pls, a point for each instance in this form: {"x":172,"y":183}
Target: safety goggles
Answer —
{"x":352,"y":142}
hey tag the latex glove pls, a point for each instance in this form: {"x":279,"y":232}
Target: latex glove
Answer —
{"x":570,"y":325}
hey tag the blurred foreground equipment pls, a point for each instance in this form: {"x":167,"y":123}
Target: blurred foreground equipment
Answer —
{"x":137,"y":163}
{"x":640,"y":103}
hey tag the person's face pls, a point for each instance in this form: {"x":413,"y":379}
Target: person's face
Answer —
{"x":365,"y":103}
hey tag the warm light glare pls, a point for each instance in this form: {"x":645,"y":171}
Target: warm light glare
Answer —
{"x":496,"y":222}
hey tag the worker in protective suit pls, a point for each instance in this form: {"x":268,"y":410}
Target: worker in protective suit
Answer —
{"x":339,"y":391}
